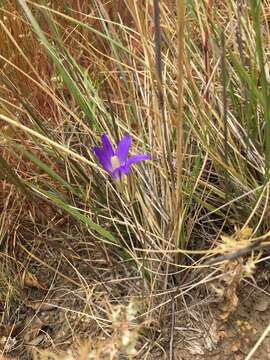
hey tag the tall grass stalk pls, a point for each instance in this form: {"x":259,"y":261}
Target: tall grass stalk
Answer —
{"x":179,"y":126}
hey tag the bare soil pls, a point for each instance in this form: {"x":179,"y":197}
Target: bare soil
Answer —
{"x":234,"y":338}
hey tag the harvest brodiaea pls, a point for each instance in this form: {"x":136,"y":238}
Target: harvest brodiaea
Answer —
{"x":117,"y":163}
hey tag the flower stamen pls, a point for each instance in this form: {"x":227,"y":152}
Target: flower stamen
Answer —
{"x":115,"y":162}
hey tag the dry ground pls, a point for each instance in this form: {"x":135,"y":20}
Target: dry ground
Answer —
{"x":58,"y":301}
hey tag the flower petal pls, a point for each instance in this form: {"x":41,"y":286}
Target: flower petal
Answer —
{"x":119,"y":172}
{"x":107,"y":146}
{"x":103,"y":158}
{"x":137,"y":158}
{"x":123,"y":148}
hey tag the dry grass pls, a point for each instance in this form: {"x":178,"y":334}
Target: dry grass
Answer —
{"x":74,"y":246}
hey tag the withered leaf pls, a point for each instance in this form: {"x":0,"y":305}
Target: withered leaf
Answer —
{"x":30,"y":280}
{"x":39,"y":305}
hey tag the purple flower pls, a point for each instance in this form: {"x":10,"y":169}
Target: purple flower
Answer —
{"x":116,"y":163}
